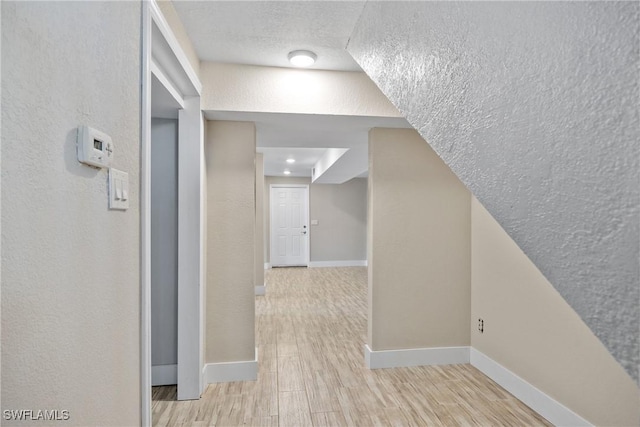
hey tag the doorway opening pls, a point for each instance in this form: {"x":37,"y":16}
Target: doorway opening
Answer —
{"x":172,"y":248}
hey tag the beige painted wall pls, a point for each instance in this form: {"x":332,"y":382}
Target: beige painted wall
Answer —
{"x":533,"y":332}
{"x":419,"y":246}
{"x":341,"y":211}
{"x":259,"y":231}
{"x":70,"y":266}
{"x":174,"y":21}
{"x":235,"y":87}
{"x":230,"y":160}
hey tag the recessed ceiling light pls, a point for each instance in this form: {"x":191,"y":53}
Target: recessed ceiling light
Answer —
{"x":290,"y":160}
{"x":302,"y":58}
{"x":287,"y":172}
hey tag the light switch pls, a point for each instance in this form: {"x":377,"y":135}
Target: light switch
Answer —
{"x":118,"y":189}
{"x":314,"y":222}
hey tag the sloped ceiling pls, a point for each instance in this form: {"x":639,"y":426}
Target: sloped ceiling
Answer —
{"x":534,"y":106}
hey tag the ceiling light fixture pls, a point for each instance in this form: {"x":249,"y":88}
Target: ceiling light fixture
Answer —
{"x":287,"y":172}
{"x":290,"y":160}
{"x":302,"y":58}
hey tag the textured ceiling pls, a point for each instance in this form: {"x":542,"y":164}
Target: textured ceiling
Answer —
{"x":264,"y":32}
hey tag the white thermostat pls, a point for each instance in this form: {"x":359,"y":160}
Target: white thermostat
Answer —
{"x":94,"y":147}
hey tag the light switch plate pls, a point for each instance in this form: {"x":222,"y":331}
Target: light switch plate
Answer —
{"x":314,"y":222}
{"x":118,"y":189}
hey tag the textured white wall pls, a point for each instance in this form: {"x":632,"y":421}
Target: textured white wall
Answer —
{"x":534,"y":107}
{"x":70,"y":267}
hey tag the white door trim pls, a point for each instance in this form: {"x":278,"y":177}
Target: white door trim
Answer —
{"x":169,"y":59}
{"x":308,"y":243}
{"x":145,"y":220}
{"x":190,"y":234}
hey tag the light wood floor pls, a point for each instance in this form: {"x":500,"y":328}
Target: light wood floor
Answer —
{"x":310,"y":332}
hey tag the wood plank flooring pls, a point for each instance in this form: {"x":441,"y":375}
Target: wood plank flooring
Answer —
{"x":310,"y":333}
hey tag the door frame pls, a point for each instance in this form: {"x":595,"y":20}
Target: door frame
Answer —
{"x":308,"y":243}
{"x":162,"y":55}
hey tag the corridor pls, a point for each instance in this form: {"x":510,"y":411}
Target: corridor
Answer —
{"x":310,"y":331}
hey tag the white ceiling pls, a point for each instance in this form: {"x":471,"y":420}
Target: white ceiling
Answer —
{"x":275,"y":160}
{"x":264,"y":32}
{"x":307,"y":136}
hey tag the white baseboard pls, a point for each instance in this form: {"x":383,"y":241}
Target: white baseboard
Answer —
{"x":415,"y":357}
{"x":267,"y":265}
{"x":164,"y":375}
{"x":231,"y":371}
{"x":356,"y":263}
{"x":554,"y":411}
{"x":261,"y":290}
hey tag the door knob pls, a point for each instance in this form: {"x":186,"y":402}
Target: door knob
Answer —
{"x":304,"y":232}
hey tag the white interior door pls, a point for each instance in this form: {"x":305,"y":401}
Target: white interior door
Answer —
{"x":289,"y":226}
